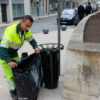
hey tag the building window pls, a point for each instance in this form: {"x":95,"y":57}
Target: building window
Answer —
{"x":53,"y":5}
{"x":18,"y":11}
{"x":37,"y":8}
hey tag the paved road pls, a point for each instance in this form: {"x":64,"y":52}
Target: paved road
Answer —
{"x":39,"y":24}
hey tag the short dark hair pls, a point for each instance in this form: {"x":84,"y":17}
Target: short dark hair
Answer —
{"x":28,"y":17}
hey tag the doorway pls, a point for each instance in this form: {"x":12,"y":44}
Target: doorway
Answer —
{"x":4,"y":13}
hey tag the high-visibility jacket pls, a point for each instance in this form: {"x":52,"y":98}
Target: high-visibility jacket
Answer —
{"x":12,"y":40}
{"x":0,"y":37}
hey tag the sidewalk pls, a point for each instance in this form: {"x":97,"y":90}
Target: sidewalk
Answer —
{"x":44,"y":94}
{"x":17,"y":21}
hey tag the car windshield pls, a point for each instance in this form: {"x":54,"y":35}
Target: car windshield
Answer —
{"x":68,"y":12}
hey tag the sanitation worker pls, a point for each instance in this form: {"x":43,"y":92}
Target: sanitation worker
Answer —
{"x":12,"y":40}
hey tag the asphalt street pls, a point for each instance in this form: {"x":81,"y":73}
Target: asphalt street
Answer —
{"x":38,"y":25}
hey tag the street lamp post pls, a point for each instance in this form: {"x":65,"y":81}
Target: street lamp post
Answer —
{"x":58,"y":26}
{"x":45,"y":31}
{"x":59,"y":36}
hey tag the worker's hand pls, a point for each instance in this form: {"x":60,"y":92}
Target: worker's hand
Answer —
{"x":12,"y":64}
{"x":37,"y":50}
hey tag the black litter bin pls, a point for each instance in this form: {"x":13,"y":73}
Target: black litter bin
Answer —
{"x":28,"y":77}
{"x":50,"y":63}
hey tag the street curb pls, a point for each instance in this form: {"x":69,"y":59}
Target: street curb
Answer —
{"x":40,"y":17}
{"x":13,"y":22}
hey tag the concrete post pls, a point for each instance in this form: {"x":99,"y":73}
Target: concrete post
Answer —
{"x":9,"y":11}
{"x":27,"y":7}
{"x":0,"y":15}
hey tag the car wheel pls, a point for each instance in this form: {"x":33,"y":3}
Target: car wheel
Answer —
{"x":75,"y":22}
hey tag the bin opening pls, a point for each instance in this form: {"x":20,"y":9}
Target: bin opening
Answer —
{"x":50,"y":47}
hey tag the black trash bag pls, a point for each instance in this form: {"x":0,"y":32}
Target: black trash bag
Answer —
{"x":28,"y":77}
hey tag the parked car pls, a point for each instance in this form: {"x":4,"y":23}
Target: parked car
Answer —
{"x":68,"y":16}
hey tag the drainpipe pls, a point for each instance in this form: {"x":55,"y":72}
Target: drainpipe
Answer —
{"x":46,"y":7}
{"x":70,"y":3}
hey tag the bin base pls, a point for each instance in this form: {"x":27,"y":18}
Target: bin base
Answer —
{"x":51,"y":86}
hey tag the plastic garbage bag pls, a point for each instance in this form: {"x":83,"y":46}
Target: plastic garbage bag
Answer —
{"x":28,"y":77}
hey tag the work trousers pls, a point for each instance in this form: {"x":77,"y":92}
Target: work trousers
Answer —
{"x":8,"y":73}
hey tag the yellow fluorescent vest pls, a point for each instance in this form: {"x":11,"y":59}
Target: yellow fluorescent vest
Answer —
{"x":11,"y":38}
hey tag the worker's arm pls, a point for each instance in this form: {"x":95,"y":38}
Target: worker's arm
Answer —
{"x":33,"y":43}
{"x":4,"y":54}
{"x":12,"y":64}
{"x":4,"y":46}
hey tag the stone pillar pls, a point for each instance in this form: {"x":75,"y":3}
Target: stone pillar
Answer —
{"x":9,"y":11}
{"x":27,"y":7}
{"x":82,"y":78}
{"x":0,"y":15}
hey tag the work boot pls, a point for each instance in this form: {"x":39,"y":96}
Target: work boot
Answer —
{"x":14,"y":94}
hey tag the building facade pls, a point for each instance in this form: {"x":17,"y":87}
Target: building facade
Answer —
{"x":37,"y":8}
{"x":15,"y":9}
{"x":11,"y":9}
{"x":18,"y":8}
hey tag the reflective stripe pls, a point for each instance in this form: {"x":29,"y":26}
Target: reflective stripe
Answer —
{"x":14,"y":47}
{"x":7,"y":41}
{"x":11,"y":85}
{"x":10,"y":82}
{"x":4,"y":45}
{"x":30,"y":38}
{"x":0,"y":37}
{"x":12,"y":88}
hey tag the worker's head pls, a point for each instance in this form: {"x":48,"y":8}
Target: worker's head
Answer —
{"x":26,"y":22}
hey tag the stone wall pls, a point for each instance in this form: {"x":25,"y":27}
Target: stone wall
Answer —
{"x":82,"y":79}
{"x":92,"y":29}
